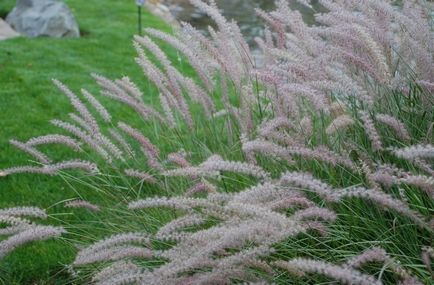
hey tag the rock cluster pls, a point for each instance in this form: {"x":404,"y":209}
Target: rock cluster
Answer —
{"x":43,"y":18}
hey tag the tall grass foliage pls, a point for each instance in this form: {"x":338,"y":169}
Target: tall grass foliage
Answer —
{"x":314,"y":165}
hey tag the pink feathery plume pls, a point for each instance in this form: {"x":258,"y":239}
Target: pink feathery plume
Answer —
{"x":97,"y":105}
{"x":178,"y":159}
{"x":54,"y":139}
{"x":203,"y":186}
{"x":396,"y":125}
{"x":84,"y":136}
{"x":415,"y":151}
{"x":78,"y":105}
{"x":141,"y":175}
{"x":371,"y":131}
{"x":300,"y":266}
{"x":32,"y":151}
{"x":144,"y":142}
{"x":78,"y":203}
{"x":340,"y":123}
{"x":34,"y":233}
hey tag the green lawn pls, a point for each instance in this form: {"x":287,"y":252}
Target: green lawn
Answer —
{"x":28,"y":100}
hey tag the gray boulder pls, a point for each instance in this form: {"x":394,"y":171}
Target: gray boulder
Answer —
{"x":43,"y":18}
{"x":6,"y":31}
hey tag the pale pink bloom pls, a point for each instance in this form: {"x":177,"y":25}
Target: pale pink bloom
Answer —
{"x":166,"y":103}
{"x":139,"y":137}
{"x":97,"y":105}
{"x":41,"y":157}
{"x":193,"y":57}
{"x":118,"y":267}
{"x":78,"y":105}
{"x":128,"y":86}
{"x":115,"y":253}
{"x":84,"y":136}
{"x":203,"y":186}
{"x":370,"y":255}
{"x":34,"y":233}
{"x":141,"y":175}
{"x":340,"y":123}
{"x":268,"y":149}
{"x":54,"y":139}
{"x":306,"y":126}
{"x":112,"y":90}
{"x":178,"y":159}
{"x":345,"y":275}
{"x":78,"y":203}
{"x":82,"y":123}
{"x":415,"y":151}
{"x":321,"y":153}
{"x":24,"y":169}
{"x":125,"y":145}
{"x":24,"y":211}
{"x":72,"y":164}
{"x":15,"y":229}
{"x":216,"y":163}
{"x":272,"y":125}
{"x":427,"y":256}
{"x":179,"y":224}
{"x":383,"y":200}
{"x":14,"y":221}
{"x":52,"y":169}
{"x":371,"y":131}
{"x":176,"y":203}
{"x":315,"y":213}
{"x":395,"y":124}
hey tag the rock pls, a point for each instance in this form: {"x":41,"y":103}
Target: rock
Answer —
{"x":6,"y":32}
{"x":43,"y":18}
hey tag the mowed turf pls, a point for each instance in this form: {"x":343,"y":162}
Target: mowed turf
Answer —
{"x":28,"y":100}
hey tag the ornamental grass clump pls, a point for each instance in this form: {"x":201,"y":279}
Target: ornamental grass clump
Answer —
{"x":16,"y":229}
{"x":316,"y":165}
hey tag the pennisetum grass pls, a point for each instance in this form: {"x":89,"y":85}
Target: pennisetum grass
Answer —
{"x":315,"y":166}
